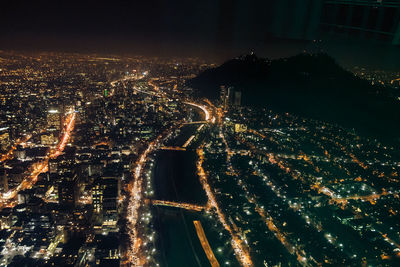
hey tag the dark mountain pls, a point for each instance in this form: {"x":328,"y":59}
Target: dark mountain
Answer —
{"x":310,"y":85}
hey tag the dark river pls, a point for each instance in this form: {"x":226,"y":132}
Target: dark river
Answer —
{"x":175,"y":179}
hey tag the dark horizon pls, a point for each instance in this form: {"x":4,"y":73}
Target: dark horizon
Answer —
{"x":371,"y":56}
{"x":214,"y":30}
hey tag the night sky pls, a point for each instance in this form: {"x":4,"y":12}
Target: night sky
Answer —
{"x":118,"y":24}
{"x":210,"y":28}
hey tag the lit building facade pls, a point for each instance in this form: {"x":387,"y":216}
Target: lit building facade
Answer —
{"x":105,"y":194}
{"x":4,"y":139}
{"x":54,"y":119}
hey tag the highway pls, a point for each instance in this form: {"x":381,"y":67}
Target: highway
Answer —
{"x":203,"y":108}
{"x":135,"y":255}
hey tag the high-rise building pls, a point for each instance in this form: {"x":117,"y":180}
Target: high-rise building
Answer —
{"x":24,"y":196}
{"x":238,"y":98}
{"x":20,"y":153}
{"x":227,"y":96}
{"x":53,"y":119}
{"x":67,"y":193}
{"x":5,"y":219}
{"x":107,"y":250}
{"x":53,"y":165}
{"x":223,"y":92}
{"x":4,"y":138}
{"x":48,"y":139}
{"x":97,"y":197}
{"x":4,"y":179}
{"x":105,"y":194}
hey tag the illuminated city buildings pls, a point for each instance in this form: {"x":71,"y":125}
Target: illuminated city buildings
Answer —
{"x":105,"y":195}
{"x":136,"y":171}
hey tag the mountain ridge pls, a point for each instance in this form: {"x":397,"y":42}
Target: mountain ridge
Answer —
{"x":310,"y":85}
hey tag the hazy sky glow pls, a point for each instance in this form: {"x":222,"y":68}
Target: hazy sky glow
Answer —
{"x":214,"y":29}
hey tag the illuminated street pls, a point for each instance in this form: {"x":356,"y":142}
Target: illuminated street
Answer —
{"x":9,"y":198}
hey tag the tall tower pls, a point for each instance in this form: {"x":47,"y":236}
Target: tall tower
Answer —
{"x":4,"y":179}
{"x":238,"y":98}
{"x":223,"y":93}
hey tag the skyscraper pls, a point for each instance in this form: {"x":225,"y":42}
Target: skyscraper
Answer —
{"x":67,"y":193}
{"x":105,"y":194}
{"x":4,"y":138}
{"x":53,"y":119}
{"x":238,"y":98}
